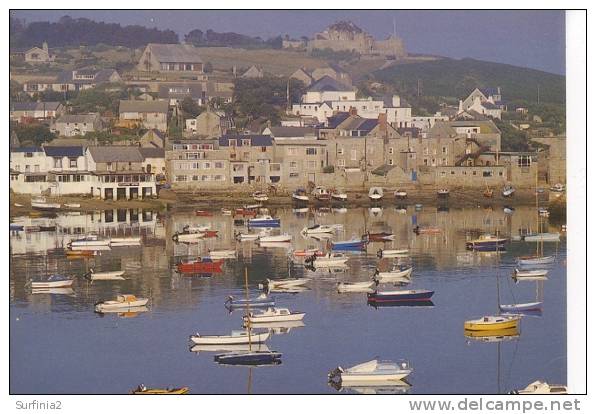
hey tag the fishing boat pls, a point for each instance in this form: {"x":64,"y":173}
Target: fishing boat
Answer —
{"x":371,"y":372}
{"x":375,"y":193}
{"x":260,"y":196}
{"x":279,"y":238}
{"x":486,"y":242}
{"x":400,"y":194}
{"x":354,"y":244}
{"x":273,"y":315}
{"x":332,"y":259}
{"x":519,"y":307}
{"x":286,"y":283}
{"x":321,"y":194}
{"x":318,"y":229}
{"x":391,"y":253}
{"x":236,"y":337}
{"x":203,"y":213}
{"x":538,"y":274}
{"x":300,"y":196}
{"x":508,"y":191}
{"x":40,"y":203}
{"x":124,"y":301}
{"x":492,"y":323}
{"x":382,"y":236}
{"x":397,"y":274}
{"x":541,"y":387}
{"x":92,"y":275}
{"x":254,"y":358}
{"x":338,"y":195}
{"x":143,"y":390}
{"x":345,"y":287}
{"x":91,"y":240}
{"x":426,"y":230}
{"x":53,"y":281}
{"x":125,"y":241}
{"x":443,"y":192}
{"x":222,"y":254}
{"x":529,"y":261}
{"x":260,"y":301}
{"x":400,"y":295}
{"x":264,"y":221}
{"x":187,"y":237}
{"x":200,"y":265}
{"x":558,"y":188}
{"x":542,"y":237}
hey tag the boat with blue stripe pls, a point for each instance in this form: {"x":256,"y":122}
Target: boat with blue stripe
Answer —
{"x":354,"y":244}
{"x":264,"y":221}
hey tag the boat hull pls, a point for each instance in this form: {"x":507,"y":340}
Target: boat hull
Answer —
{"x":493,"y":326}
{"x":397,"y":297}
{"x":200,"y":267}
{"x":230,"y":340}
{"x":297,"y":316}
{"x":249,"y":358}
{"x":263,"y":223}
{"x":106,"y":307}
{"x":54,"y":284}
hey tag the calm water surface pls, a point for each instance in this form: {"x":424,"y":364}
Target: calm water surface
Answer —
{"x":59,"y":345}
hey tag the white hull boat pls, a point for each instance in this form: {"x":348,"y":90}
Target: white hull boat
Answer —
{"x":300,"y":198}
{"x":339,"y":196}
{"x":222,"y":254}
{"x":286,"y":283}
{"x":260,"y":196}
{"x":230,"y":348}
{"x":274,"y":315}
{"x":42,"y":204}
{"x":544,"y":237}
{"x":372,"y":372}
{"x":72,"y":205}
{"x":375,"y":193}
{"x":328,"y":260}
{"x":89,"y":241}
{"x":383,"y":253}
{"x":280,"y":238}
{"x":540,"y":387}
{"x":400,"y":194}
{"x":396,"y":275}
{"x":188,"y":237}
{"x":122,"y":302}
{"x":125,"y":241}
{"x":344,"y":287}
{"x":115,"y":275}
{"x":50,"y":283}
{"x":195,"y":229}
{"x":535,"y":261}
{"x":532,"y":274}
{"x":237,"y":337}
{"x":318,"y":229}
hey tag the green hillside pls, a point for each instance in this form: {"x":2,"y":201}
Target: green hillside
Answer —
{"x":457,"y":78}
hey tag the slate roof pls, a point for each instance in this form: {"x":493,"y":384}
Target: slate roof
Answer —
{"x":285,"y":132}
{"x":327,"y":83}
{"x":53,"y":151}
{"x":34,"y":106}
{"x":159,"y":106}
{"x":175,"y":53}
{"x":78,"y":118}
{"x":152,"y":152}
{"x":116,"y":154}
{"x":334,"y":121}
{"x":256,"y":140}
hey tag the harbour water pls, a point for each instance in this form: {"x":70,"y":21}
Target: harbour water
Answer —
{"x":58,"y":344}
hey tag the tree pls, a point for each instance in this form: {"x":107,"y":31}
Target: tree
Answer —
{"x":190,"y":108}
{"x":35,"y":134}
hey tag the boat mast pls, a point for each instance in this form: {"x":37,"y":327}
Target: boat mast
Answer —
{"x":247,"y":307}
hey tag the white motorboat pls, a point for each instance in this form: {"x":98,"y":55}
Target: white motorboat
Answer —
{"x":40,"y":203}
{"x":230,"y":348}
{"x":300,"y":196}
{"x":53,"y":281}
{"x":122,"y":302}
{"x":115,"y":275}
{"x":375,"y":193}
{"x":508,"y":191}
{"x":125,"y":241}
{"x":188,"y":237}
{"x":541,"y":387}
{"x":333,"y":259}
{"x":195,"y":229}
{"x":260,"y":196}
{"x":321,"y":194}
{"x":542,"y":237}
{"x":558,"y":188}
{"x":91,"y":240}
{"x":383,"y":253}
{"x":530,"y":274}
{"x":372,"y":372}
{"x":319,"y":229}
{"x":273,"y":315}
{"x":400,"y":194}
{"x":72,"y":205}
{"x":279,"y":238}
{"x":528,"y":261}
{"x":235,"y":338}
{"x":338,"y":195}
{"x":287,"y":283}
{"x":397,"y":274}
{"x":222,"y":254}
{"x":344,"y":287}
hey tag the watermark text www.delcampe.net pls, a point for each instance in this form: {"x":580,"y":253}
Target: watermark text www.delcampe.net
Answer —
{"x":483,"y":404}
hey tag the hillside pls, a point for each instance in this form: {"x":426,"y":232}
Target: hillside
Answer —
{"x":456,"y":78}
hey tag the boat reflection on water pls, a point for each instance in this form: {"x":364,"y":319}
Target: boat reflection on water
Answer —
{"x":496,"y":335}
{"x":396,"y":387}
{"x":401,"y":303}
{"x":293,"y":290}
{"x":281,"y":327}
{"x":130,"y":312}
{"x":53,"y":291}
{"x":229,"y":348}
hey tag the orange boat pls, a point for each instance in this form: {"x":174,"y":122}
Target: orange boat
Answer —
{"x":203,"y":213}
{"x":200,"y":265}
{"x":427,"y":230}
{"x":81,"y":253}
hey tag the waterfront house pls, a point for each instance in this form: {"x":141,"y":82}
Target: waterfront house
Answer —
{"x":197,"y":164}
{"x":148,"y":114}
{"x":250,"y":157}
{"x":71,"y":125}
{"x":28,"y":170}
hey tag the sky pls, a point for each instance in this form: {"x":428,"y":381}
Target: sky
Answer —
{"x":533,"y":39}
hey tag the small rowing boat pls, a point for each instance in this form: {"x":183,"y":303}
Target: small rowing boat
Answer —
{"x":538,"y":274}
{"x":260,"y":301}
{"x":371,"y":372}
{"x":286,"y":283}
{"x":222,"y":254}
{"x":273,"y":315}
{"x":124,"y":301}
{"x":236,"y":337}
{"x":114,"y":275}
{"x":375,"y":193}
{"x":345,"y":287}
{"x":383,"y":253}
{"x":397,"y":274}
{"x":53,"y":281}
{"x":332,"y":259}
{"x":400,"y":194}
{"x":528,"y":261}
{"x":400,"y":295}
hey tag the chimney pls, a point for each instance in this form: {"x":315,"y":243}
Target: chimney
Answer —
{"x":45,"y":46}
{"x":383,"y":123}
{"x":461,"y":106}
{"x":498,"y":90}
{"x":353,"y":111}
{"x":396,"y":101}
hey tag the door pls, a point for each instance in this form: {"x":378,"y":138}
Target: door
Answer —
{"x":108,"y":194}
{"x":311,"y":177}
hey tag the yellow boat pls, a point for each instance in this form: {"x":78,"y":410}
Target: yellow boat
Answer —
{"x":492,"y":323}
{"x":142,"y":390}
{"x":496,"y":335}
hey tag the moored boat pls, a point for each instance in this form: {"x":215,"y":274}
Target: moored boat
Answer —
{"x":124,"y":301}
{"x":426,"y":230}
{"x":236,"y":337}
{"x":222,"y":254}
{"x":203,"y":213}
{"x":306,"y":253}
{"x":143,"y":390}
{"x":542,"y":237}
{"x":16,"y":227}
{"x":382,"y":236}
{"x":558,"y":188}
{"x":528,"y":261}
{"x":300,"y":196}
{"x":264,"y":221}
{"x":338,"y":195}
{"x":541,"y":387}
{"x":279,"y":238}
{"x":537,"y":274}
{"x":383,"y":253}
{"x":508,"y":191}
{"x":486,"y":242}
{"x":92,"y":275}
{"x":518,"y":307}
{"x":400,"y":295}
{"x":200,"y":265}
{"x":400,"y":194}
{"x":40,"y":203}
{"x":125,"y":241}
{"x":371,"y":372}
{"x":286,"y":283}
{"x":321,"y":194}
{"x":273,"y":315}
{"x":354,"y":244}
{"x":491,"y":323}
{"x":91,"y":240}
{"x":254,"y":358}
{"x":260,"y":301}
{"x":53,"y":281}
{"x":187,"y":237}
{"x":318,"y":229}
{"x":397,"y":274}
{"x":328,"y":260}
{"x":344,"y":287}
{"x":260,"y":196}
{"x":443,"y":192}
{"x":375,"y":193}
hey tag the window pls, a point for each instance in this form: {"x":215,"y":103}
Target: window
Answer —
{"x":110,"y":166}
{"x":443,"y":174}
{"x":72,"y":162}
{"x":390,"y":150}
{"x":218,"y":164}
{"x":293,"y":164}
{"x":238,"y":167}
{"x":207,"y":165}
{"x":341,"y":163}
{"x":57,"y":162}
{"x":390,"y":161}
{"x":524,"y":161}
{"x":487,"y":173}
{"x":292,"y":151}
{"x":452,"y":172}
{"x":444,"y":150}
{"x":246,"y":142}
{"x":354,"y":155}
{"x":294,"y":175}
{"x":311,"y":151}
{"x":312,"y":165}
{"x":181,"y":178}
{"x":28,"y":155}
{"x":340,"y":151}
{"x":218,"y":177}
{"x":263,"y":149}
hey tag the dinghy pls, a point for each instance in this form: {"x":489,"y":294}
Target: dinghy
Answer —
{"x":236,"y":337}
{"x":538,"y":274}
{"x":528,"y":261}
{"x":508,"y":191}
{"x":273,"y":315}
{"x":375,"y":193}
{"x":115,"y":275}
{"x":260,"y":301}
{"x":486,"y":242}
{"x":286,"y":283}
{"x":400,"y":295}
{"x":321,"y":194}
{"x":397,"y":274}
{"x":280,"y":238}
{"x":53,"y":281}
{"x":252,"y":358}
{"x":200,"y":265}
{"x":542,"y":237}
{"x":91,"y":240}
{"x":143,"y":390}
{"x":332,"y":259}
{"x":338,"y":195}
{"x":426,"y":230}
{"x":400,"y":194}
{"x":371,"y":372}
{"x":53,"y":291}
{"x":344,"y":287}
{"x":306,"y":253}
{"x":260,"y":196}
{"x":318,"y":229}
{"x":492,"y":323}
{"x":222,"y":254}
{"x":125,"y":241}
{"x":383,"y":253}
{"x":530,"y":306}
{"x":40,"y":203}
{"x":541,"y":387}
{"x":300,"y":196}
{"x":124,"y":301}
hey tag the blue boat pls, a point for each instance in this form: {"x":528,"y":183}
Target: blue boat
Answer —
{"x":16,"y":227}
{"x":264,"y":221}
{"x":487,"y":243}
{"x":401,"y":303}
{"x":400,"y":295}
{"x":249,"y":358}
{"x":356,"y":244}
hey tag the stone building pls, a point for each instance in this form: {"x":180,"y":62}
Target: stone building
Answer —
{"x":71,"y":125}
{"x":171,"y":58}
{"x":149,"y":114}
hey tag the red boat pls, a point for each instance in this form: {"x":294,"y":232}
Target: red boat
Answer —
{"x":379,"y":237}
{"x":200,"y":265}
{"x":203,"y":213}
{"x":209,"y":233}
{"x":245,"y":212}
